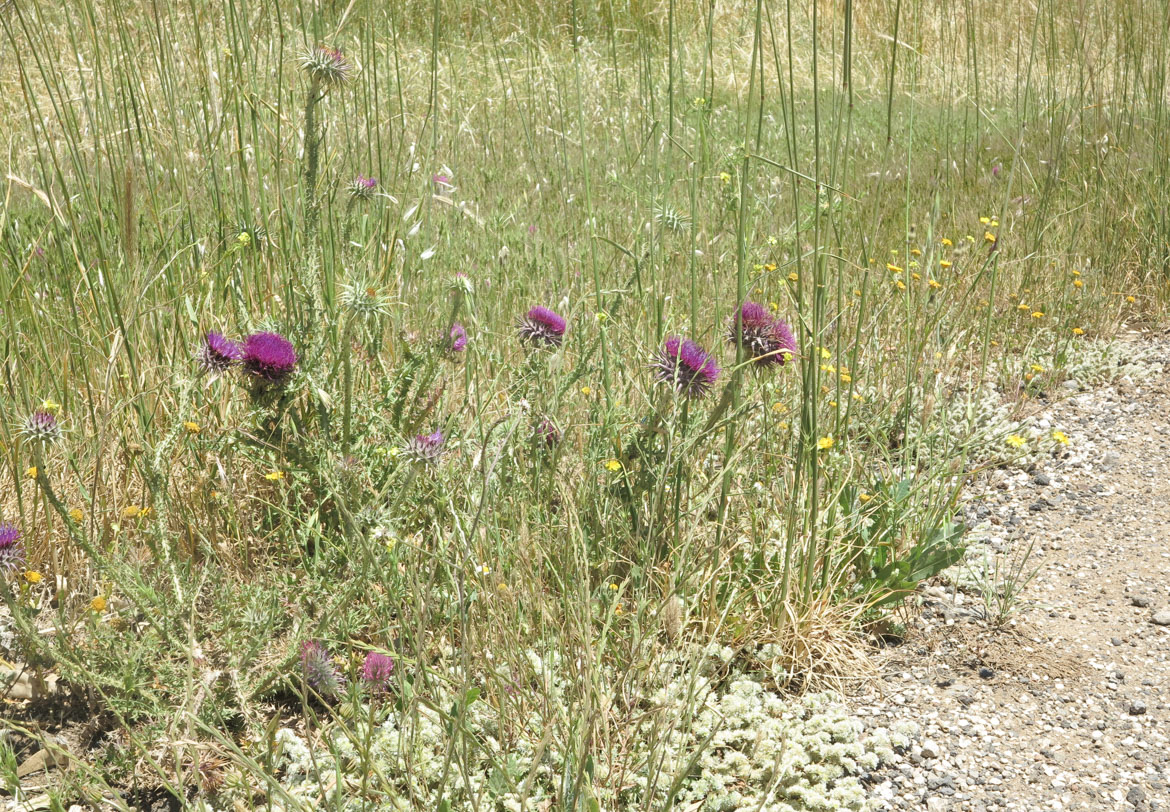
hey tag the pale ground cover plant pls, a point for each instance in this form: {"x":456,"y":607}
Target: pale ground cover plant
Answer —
{"x":905,"y":187}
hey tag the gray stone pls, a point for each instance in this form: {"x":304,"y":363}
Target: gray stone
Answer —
{"x":1161,"y":618}
{"x":1140,"y":601}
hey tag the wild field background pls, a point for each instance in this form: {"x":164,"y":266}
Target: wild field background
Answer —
{"x":594,"y":592}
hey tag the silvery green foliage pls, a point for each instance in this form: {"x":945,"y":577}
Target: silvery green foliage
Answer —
{"x":980,"y":419}
{"x":763,"y":750}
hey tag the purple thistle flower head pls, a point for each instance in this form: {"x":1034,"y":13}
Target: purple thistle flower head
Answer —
{"x":376,"y":670}
{"x":41,"y":427}
{"x":542,"y":326}
{"x":440,"y":180}
{"x":425,"y":449}
{"x":319,"y":671}
{"x":363,"y":188}
{"x":457,"y":340}
{"x":548,"y":433}
{"x":11,"y":550}
{"x":216,"y":355}
{"x":767,"y":340}
{"x":269,"y":357}
{"x":686,"y":366}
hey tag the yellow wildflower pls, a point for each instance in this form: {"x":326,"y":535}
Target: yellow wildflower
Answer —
{"x":771,"y":266}
{"x":586,"y":390}
{"x":944,"y":263}
{"x":988,"y":237}
{"x":1078,"y":283}
{"x":33,"y":577}
{"x":1037,"y":368}
{"x":31,"y":472}
{"x":274,"y":476}
{"x":77,"y":515}
{"x":613,"y":465}
{"x":846,"y":377}
{"x":934,"y":283}
{"x":1060,"y":437}
{"x":864,"y":497}
{"x":191,"y":427}
{"x":1016,"y":441}
{"x":985,"y":220}
{"x":916,"y":252}
{"x":899,"y":284}
{"x":725,"y":178}
{"x":793,"y":277}
{"x":826,"y":354}
{"x":49,"y":405}
{"x":779,"y":408}
{"x":1022,"y":306}
{"x":825,"y":443}
{"x":917,"y":277}
{"x":98,"y":604}
{"x":893,"y":268}
{"x":946,"y":241}
{"x":1077,"y":331}
{"x":1130,"y":299}
{"x":1036,"y":314}
{"x":131,"y":512}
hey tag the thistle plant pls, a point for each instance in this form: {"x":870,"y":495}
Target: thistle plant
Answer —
{"x":41,"y":428}
{"x":268,"y":359}
{"x":326,"y":68}
{"x":319,"y":672}
{"x":541,"y":327}
{"x":424,"y":449}
{"x":685,"y":366}
{"x":11,"y":549}
{"x":216,"y":355}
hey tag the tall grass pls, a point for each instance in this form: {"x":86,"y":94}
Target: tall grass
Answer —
{"x":916,"y":189}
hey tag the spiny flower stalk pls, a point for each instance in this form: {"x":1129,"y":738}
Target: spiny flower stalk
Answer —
{"x":326,"y":65}
{"x":216,"y":354}
{"x":41,"y":427}
{"x":11,"y":550}
{"x":686,"y":366}
{"x":363,"y":188}
{"x":319,"y":671}
{"x":425,"y":449}
{"x":767,"y":340}
{"x":377,"y":670}
{"x":541,"y":326}
{"x":268,"y":358}
{"x":457,"y":339}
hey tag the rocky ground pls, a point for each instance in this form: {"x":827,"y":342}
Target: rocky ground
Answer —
{"x":1067,"y":704}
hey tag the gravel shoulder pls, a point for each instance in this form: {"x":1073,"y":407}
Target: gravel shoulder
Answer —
{"x":1067,"y":706}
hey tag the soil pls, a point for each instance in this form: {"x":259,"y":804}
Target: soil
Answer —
{"x":1066,"y":705}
